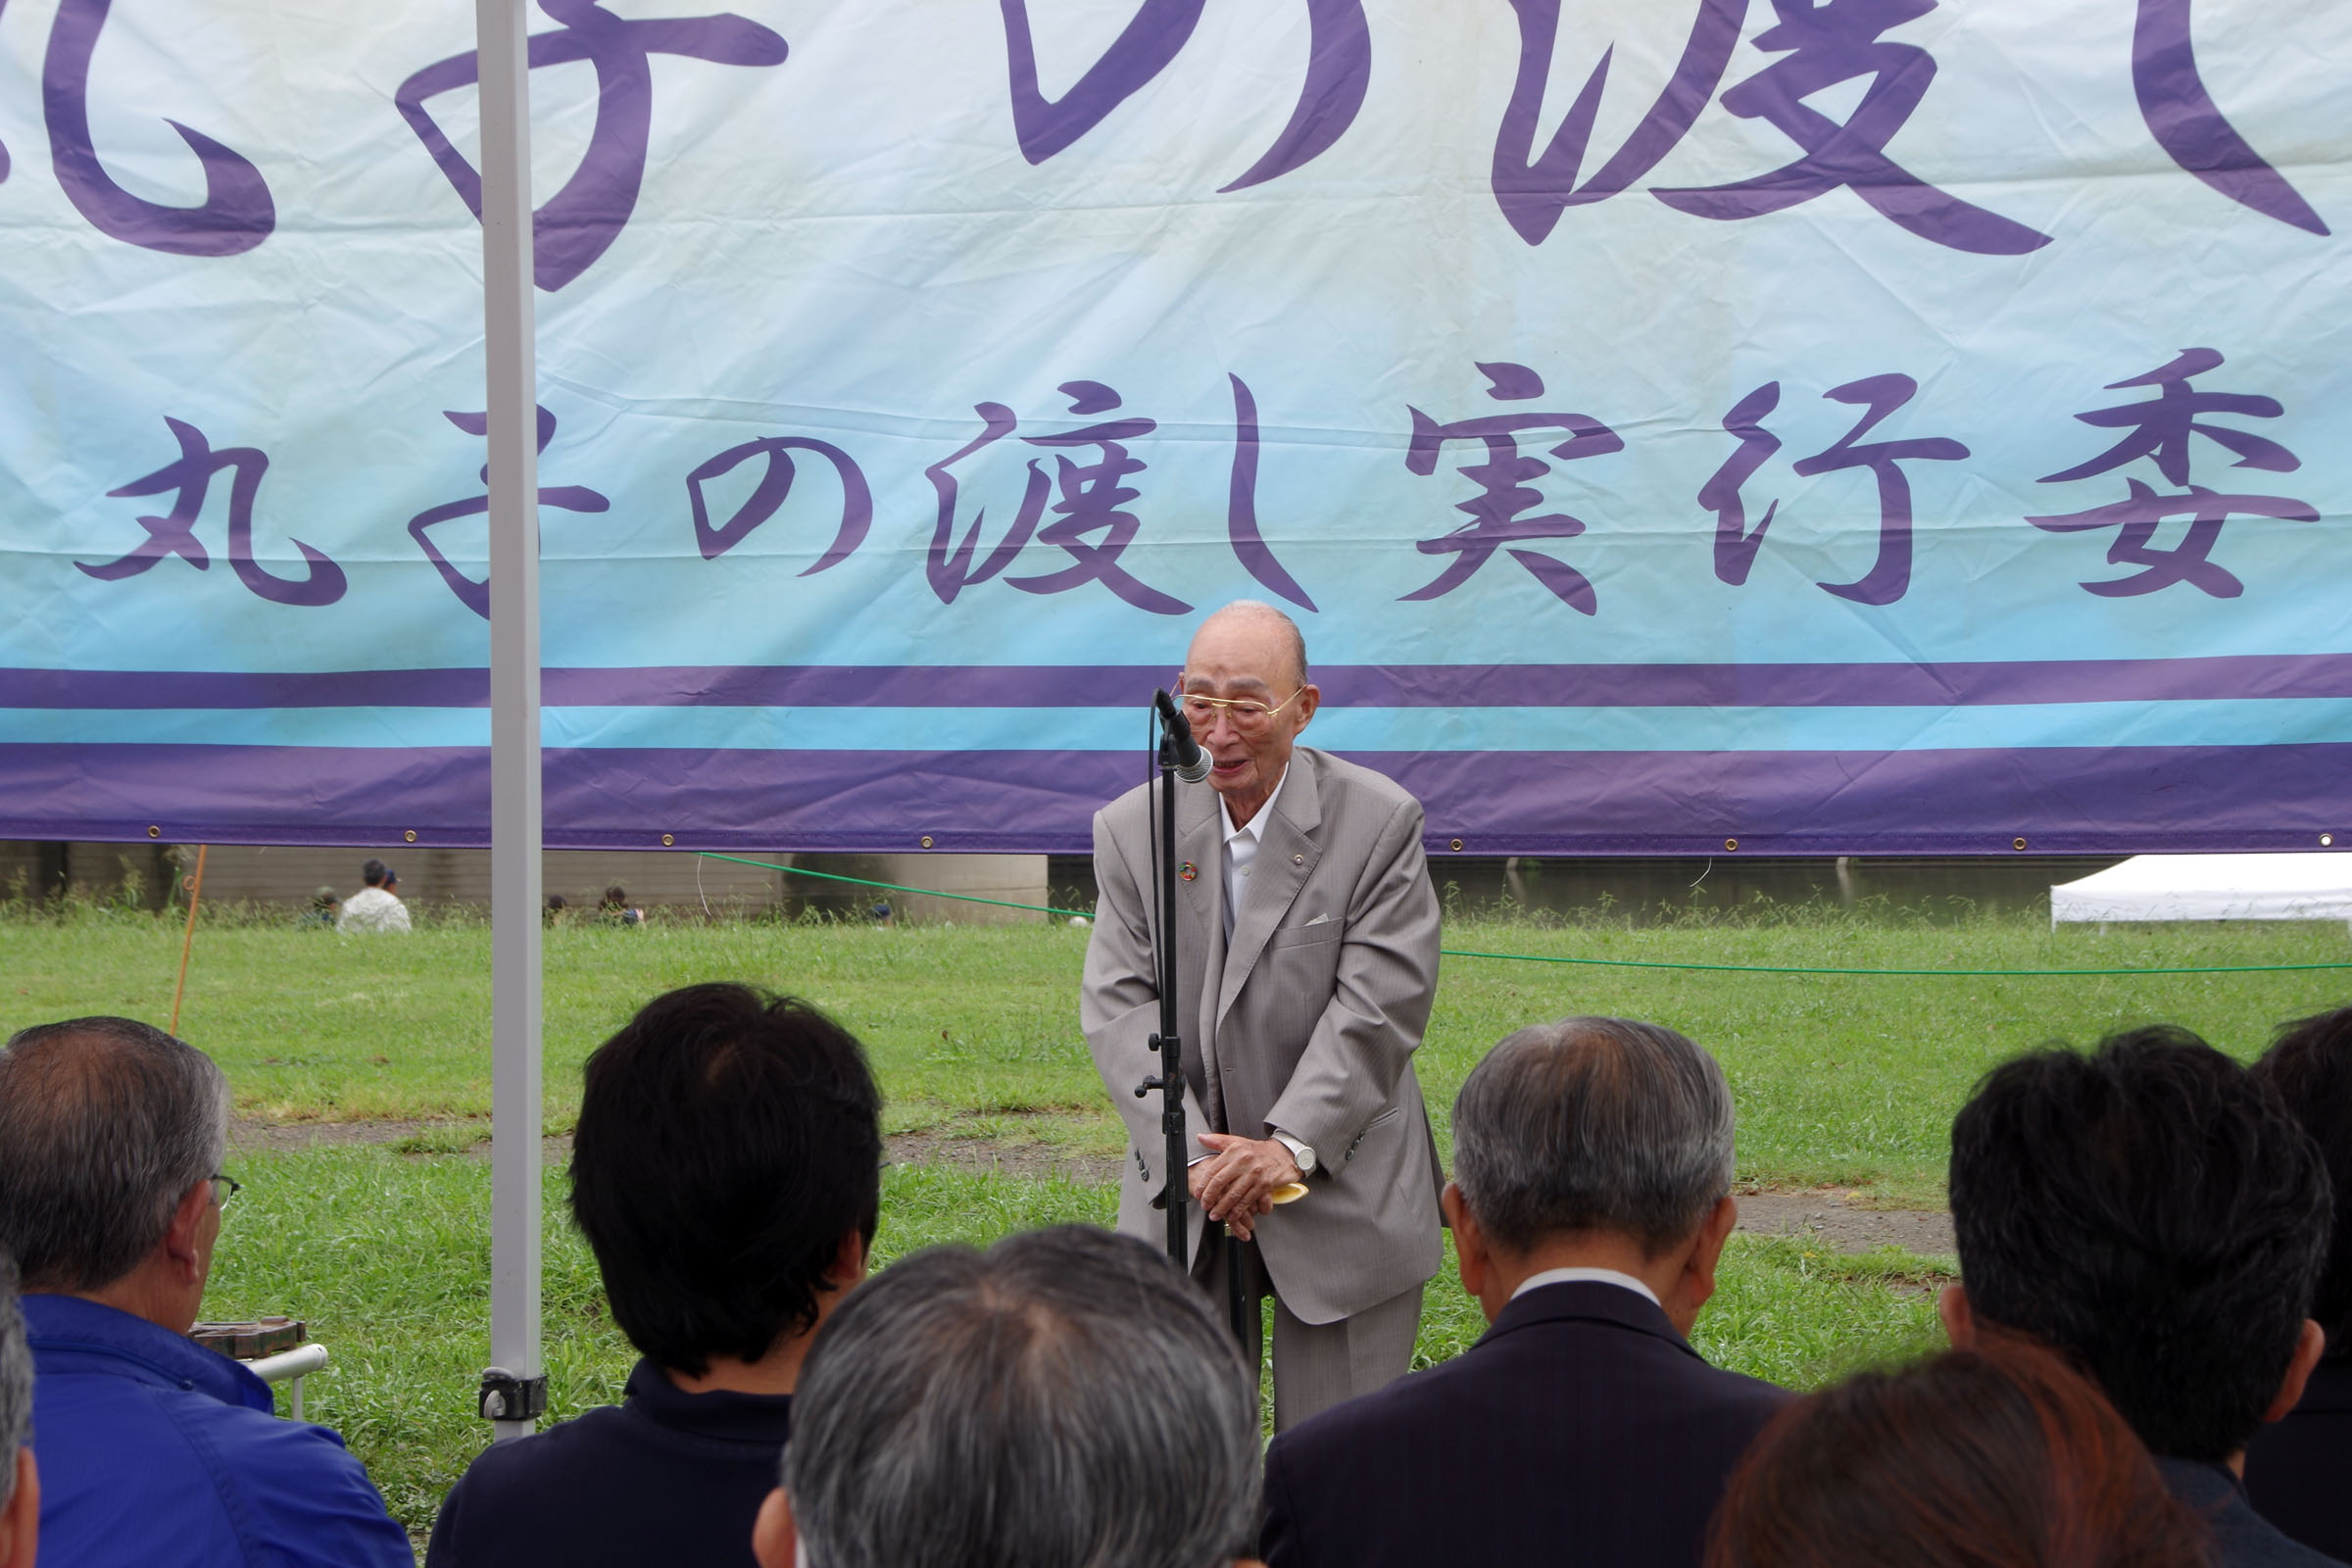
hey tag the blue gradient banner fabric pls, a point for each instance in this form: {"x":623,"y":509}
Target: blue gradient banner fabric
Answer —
{"x":1804,"y":426}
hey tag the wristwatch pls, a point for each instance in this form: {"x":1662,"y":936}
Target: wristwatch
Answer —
{"x":1305,"y":1156}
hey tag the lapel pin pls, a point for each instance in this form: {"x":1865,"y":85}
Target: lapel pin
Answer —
{"x":1297,"y":859}
{"x":1186,"y":872}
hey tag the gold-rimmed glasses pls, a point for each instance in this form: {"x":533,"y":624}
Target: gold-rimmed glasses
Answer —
{"x":1248,"y":715}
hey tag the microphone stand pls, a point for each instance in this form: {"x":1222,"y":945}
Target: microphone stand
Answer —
{"x":1175,"y":1188}
{"x":1174,"y":1192}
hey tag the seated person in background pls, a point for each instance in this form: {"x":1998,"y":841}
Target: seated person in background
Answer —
{"x":1592,"y":1197}
{"x":726,"y":1171}
{"x":325,"y":909}
{"x":20,"y":1482}
{"x":1064,"y":1399}
{"x":2153,"y":1213}
{"x":616,"y":910}
{"x":375,"y":907}
{"x":154,"y":1449}
{"x":1999,"y":1455}
{"x":553,"y":914}
{"x":2299,"y":1472}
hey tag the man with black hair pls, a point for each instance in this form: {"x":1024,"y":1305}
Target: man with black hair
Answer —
{"x":726,"y":1171}
{"x":2297,"y":1469}
{"x":2153,"y":1211}
{"x":375,"y":907}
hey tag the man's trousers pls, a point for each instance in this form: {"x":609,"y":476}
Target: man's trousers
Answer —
{"x":1316,"y":1365}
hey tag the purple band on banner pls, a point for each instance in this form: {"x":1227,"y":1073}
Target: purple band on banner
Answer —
{"x":1865,"y":685}
{"x":2086,"y":801}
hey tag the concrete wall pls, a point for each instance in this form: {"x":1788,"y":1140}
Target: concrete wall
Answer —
{"x":289,"y":874}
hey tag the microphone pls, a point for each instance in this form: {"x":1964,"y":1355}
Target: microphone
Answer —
{"x":1191,"y":762}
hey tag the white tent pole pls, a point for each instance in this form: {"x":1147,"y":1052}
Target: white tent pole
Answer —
{"x":514,"y":823}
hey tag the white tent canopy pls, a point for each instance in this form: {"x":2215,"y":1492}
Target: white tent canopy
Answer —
{"x":2211,"y":887}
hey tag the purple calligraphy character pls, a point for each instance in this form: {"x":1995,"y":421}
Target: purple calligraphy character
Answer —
{"x":2188,"y":125}
{"x":236,"y":212}
{"x":1735,"y":544}
{"x":1534,"y":191}
{"x":581,"y":222}
{"x":948,"y":563}
{"x":2160,"y":431}
{"x":1339,"y":68}
{"x":1828,"y":42}
{"x":775,"y":484}
{"x":1889,"y":577}
{"x":190,"y":477}
{"x":476,"y":596}
{"x":1092,"y":496}
{"x":1250,"y":546}
{"x":1504,"y":495}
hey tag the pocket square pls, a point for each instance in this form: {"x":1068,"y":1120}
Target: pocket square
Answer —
{"x":1320,"y":919}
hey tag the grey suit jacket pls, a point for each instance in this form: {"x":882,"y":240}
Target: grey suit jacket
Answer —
{"x":1306,"y":1025}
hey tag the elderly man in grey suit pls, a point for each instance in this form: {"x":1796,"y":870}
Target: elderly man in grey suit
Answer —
{"x":1307,"y":950}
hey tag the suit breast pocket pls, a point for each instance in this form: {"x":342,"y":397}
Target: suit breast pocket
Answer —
{"x":1306,"y":936}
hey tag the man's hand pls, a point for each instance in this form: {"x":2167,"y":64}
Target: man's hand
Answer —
{"x":1237,"y":1185}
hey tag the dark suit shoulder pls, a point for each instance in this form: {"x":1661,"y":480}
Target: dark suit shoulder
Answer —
{"x":1526,"y":1364}
{"x":1578,"y":1417}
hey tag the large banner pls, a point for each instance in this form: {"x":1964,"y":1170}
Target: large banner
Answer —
{"x":1678,"y":426}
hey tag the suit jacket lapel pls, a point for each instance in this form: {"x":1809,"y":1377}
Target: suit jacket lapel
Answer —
{"x":1200,"y":929}
{"x":1286,"y":857}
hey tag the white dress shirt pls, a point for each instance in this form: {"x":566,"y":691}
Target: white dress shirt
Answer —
{"x":1588,"y":1276}
{"x":1241,"y":848}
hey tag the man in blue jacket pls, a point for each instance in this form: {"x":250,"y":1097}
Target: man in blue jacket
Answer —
{"x":20,"y":1482}
{"x":153,"y":1449}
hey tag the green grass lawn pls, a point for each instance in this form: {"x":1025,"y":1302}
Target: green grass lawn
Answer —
{"x":1842,"y":1080}
{"x":1845,"y":1080}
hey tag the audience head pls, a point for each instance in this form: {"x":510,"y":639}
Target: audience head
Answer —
{"x":2153,"y":1211}
{"x":376,"y":875}
{"x":617,"y":897}
{"x":1064,"y":1399}
{"x":1594,"y":1131}
{"x":1994,"y":1457}
{"x":20,"y":1487}
{"x":726,"y":1171}
{"x":2311,"y":1068}
{"x":111,"y":1133}
{"x":325,"y":899}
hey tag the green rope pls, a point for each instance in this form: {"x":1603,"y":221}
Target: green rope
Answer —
{"x":887,"y":887}
{"x":1604,"y":963}
{"x":2009,"y":974}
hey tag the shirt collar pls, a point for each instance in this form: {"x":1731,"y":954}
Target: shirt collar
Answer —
{"x":758,"y":1418}
{"x":68,"y":1333}
{"x":1255,"y":830}
{"x":1588,"y":1276}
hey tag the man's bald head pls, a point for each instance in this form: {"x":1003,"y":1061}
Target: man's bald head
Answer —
{"x":1257,"y":615}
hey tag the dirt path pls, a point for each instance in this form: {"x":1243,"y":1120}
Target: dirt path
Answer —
{"x":1825,"y":1214}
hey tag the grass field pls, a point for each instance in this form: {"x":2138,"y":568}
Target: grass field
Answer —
{"x":1848,"y":1081}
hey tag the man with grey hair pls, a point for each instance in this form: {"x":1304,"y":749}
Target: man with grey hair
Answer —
{"x":155,"y":1450}
{"x":1062,"y":1401}
{"x":20,"y":1482}
{"x":1591,"y":1200}
{"x":1306,"y":942}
